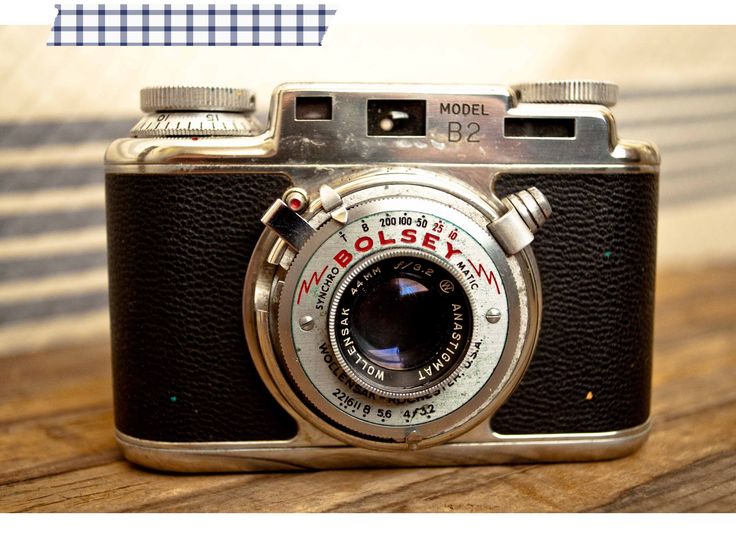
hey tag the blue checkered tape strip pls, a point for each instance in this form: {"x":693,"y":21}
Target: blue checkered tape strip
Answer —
{"x":189,"y":25}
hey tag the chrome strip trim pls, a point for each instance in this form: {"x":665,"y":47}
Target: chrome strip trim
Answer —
{"x":295,"y":169}
{"x":288,"y":455}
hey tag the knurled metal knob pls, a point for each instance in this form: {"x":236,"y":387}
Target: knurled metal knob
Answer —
{"x":568,"y":91}
{"x":531,"y":205}
{"x":197,"y":98}
{"x":527,"y":211}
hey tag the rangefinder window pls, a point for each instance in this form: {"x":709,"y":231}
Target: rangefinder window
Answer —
{"x":313,"y":108}
{"x":397,"y":117}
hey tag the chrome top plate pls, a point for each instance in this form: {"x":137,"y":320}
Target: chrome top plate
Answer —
{"x":464,"y":124}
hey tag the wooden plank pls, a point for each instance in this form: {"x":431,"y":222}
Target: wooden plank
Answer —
{"x":617,"y":484}
{"x":55,"y":413}
{"x":706,"y":485}
{"x":55,"y":382}
{"x":57,"y":451}
{"x":49,"y":446}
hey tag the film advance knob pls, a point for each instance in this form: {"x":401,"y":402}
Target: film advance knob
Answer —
{"x":184,"y":98}
{"x":568,"y":91}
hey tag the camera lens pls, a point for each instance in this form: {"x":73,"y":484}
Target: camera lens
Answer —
{"x":401,"y":322}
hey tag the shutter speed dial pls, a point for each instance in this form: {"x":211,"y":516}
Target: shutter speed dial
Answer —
{"x":196,"y":111}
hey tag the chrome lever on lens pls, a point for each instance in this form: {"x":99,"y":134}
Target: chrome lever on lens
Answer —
{"x":287,"y":224}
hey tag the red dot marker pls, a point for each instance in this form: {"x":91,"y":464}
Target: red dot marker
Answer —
{"x":295,"y":204}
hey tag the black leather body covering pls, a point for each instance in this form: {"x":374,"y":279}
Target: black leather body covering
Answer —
{"x":179,"y":246}
{"x":591,"y":371}
{"x":178,"y":250}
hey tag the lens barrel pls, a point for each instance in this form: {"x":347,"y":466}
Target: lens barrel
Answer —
{"x":401,"y":323}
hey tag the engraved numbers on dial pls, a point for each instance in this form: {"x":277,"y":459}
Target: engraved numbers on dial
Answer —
{"x":425,"y":410}
{"x":366,"y":236}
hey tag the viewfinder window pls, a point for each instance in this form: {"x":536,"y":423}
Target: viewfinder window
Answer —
{"x":314,"y":108}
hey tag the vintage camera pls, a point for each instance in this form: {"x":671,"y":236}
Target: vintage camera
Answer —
{"x":356,"y":284}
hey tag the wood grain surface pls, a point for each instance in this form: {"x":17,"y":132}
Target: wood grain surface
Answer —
{"x":57,"y":451}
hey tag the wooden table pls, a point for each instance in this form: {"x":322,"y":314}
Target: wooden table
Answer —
{"x":57,"y":451}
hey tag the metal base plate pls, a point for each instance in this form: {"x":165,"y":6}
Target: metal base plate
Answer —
{"x":285,"y":456}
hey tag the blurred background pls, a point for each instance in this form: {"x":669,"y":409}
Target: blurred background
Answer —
{"x":60,"y":107}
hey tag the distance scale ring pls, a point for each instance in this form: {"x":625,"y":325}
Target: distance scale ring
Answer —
{"x":196,"y":111}
{"x":195,"y":123}
{"x":429,"y":374}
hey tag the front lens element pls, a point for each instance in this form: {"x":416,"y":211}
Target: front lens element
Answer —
{"x":403,"y":321}
{"x":400,"y":323}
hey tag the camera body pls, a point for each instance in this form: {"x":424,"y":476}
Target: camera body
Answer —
{"x":361,"y":282}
